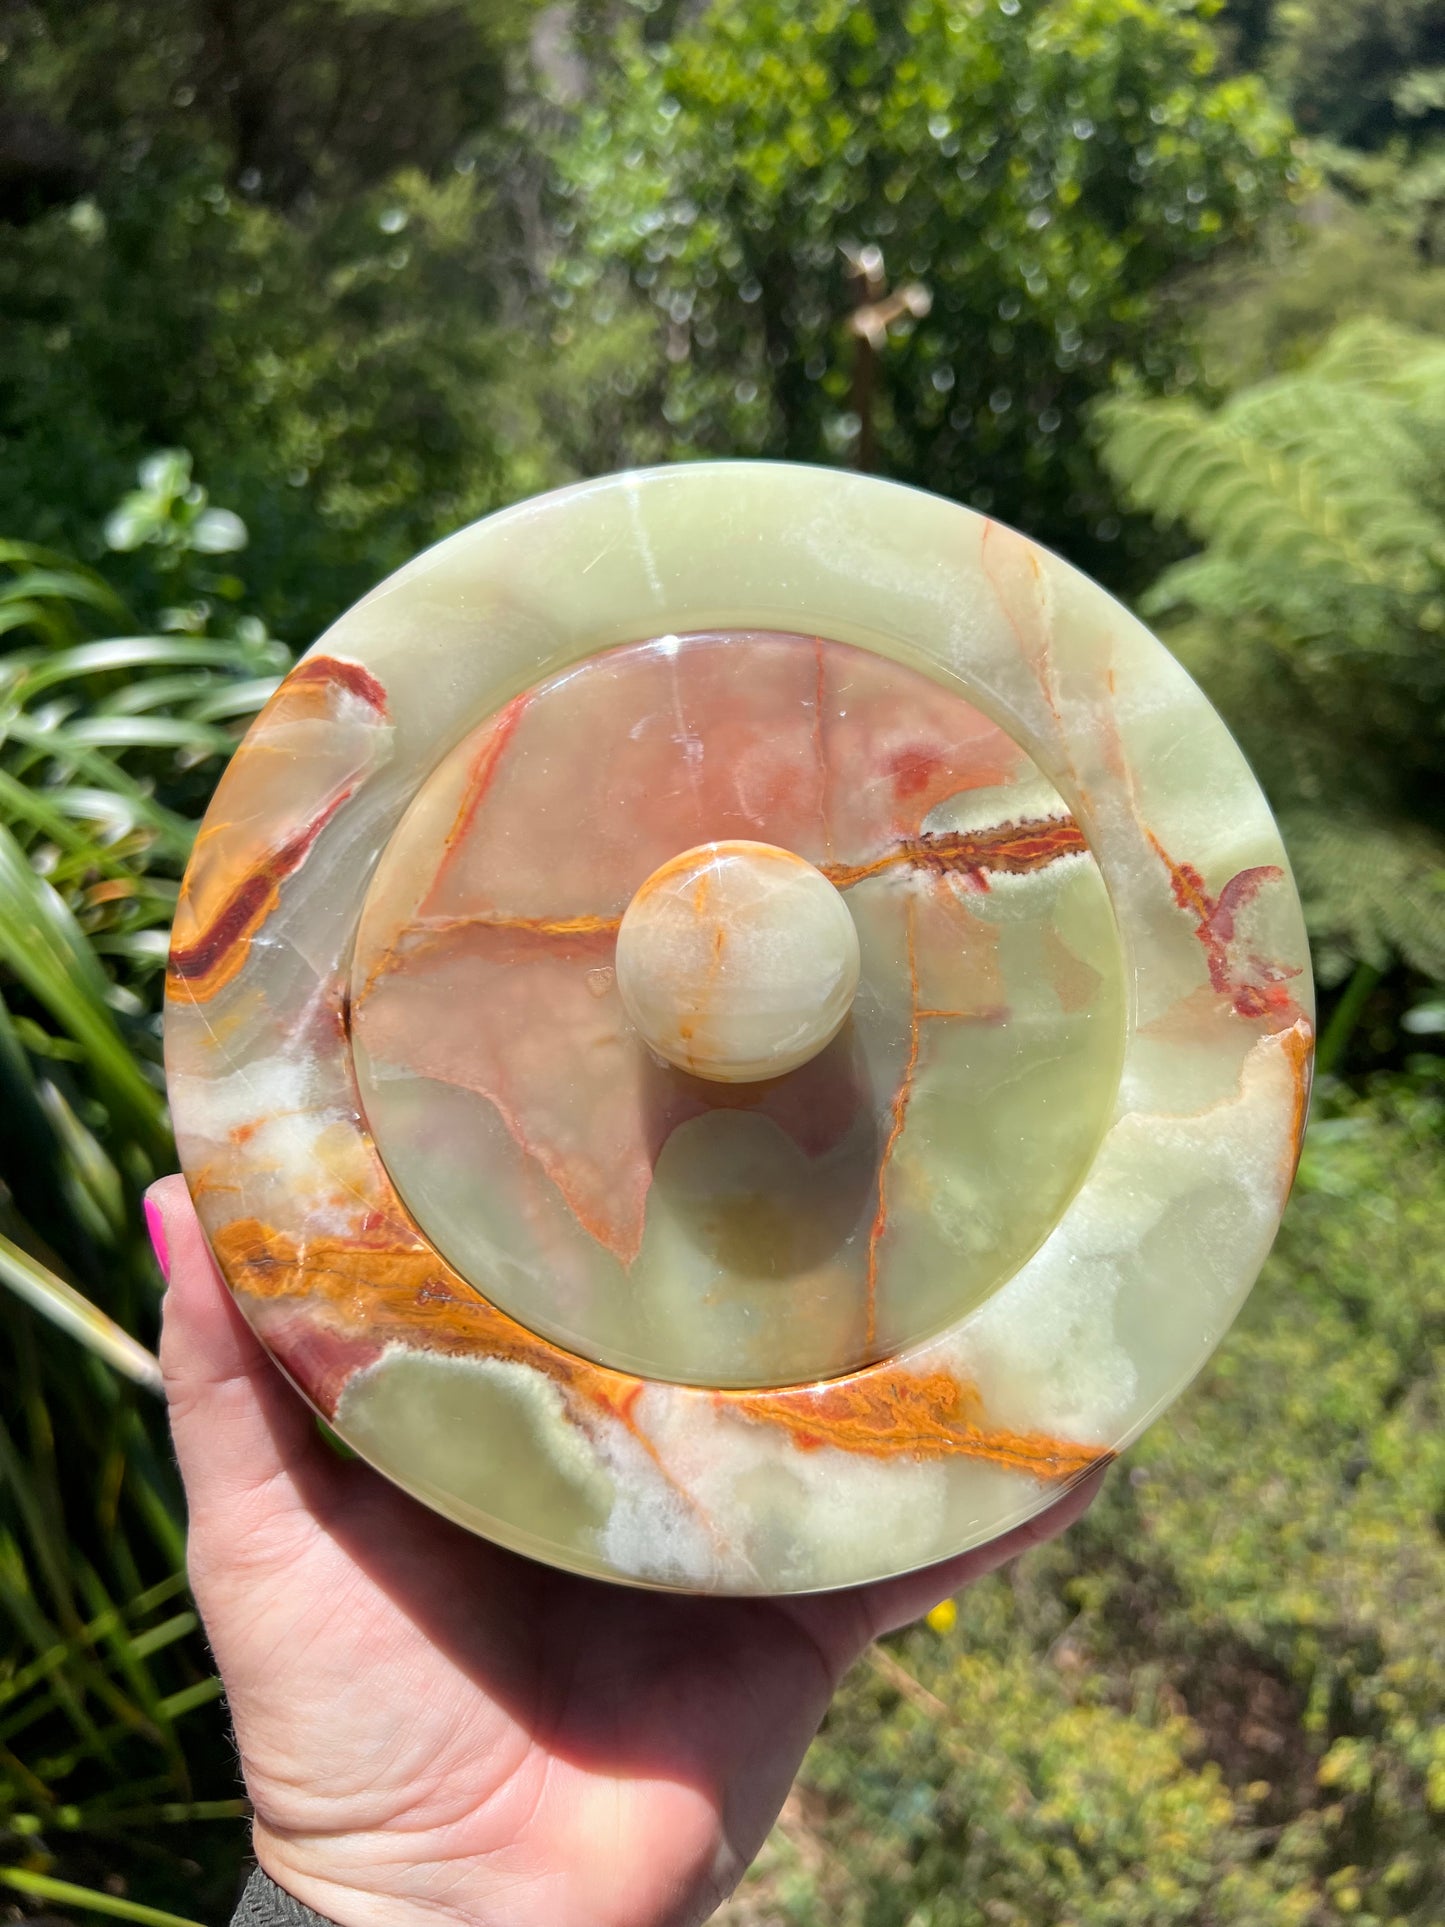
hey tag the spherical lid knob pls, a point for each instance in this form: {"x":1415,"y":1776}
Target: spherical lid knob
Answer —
{"x":737,"y":961}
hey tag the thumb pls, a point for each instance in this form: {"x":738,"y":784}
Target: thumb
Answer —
{"x":241,"y":1434}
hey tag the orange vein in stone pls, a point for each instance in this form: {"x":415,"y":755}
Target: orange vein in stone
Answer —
{"x":479,"y":782}
{"x":1013,"y":848}
{"x":895,"y":1131}
{"x":887,"y":1412}
{"x":1260,"y":995}
{"x":391,"y":1292}
{"x":243,"y":1133}
{"x":1298,"y":1045}
{"x":1186,"y":882}
{"x":1037,"y":653}
{"x":687,"y":1027}
{"x":484,"y":769}
{"x":417,"y":938}
{"x":583,"y":926}
{"x":216,"y":955}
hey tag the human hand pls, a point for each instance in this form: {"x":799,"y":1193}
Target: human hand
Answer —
{"x":435,"y":1730}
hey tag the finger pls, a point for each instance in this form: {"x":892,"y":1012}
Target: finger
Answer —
{"x":895,"y":1602}
{"x":845,"y":1622}
{"x":239,"y":1429}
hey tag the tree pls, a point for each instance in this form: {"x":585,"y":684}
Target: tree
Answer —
{"x":283,"y":234}
{"x":1359,"y":74}
{"x":1045,"y":173}
{"x":1270,"y":314}
{"x":1314,"y":615}
{"x":295,"y":97}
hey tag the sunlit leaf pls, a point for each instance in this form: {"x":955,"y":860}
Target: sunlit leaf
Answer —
{"x":41,"y":1887}
{"x":68,"y":1308}
{"x":43,"y":946}
{"x":218,"y":532}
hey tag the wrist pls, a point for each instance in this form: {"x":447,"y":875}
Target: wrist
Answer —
{"x":336,"y":1883}
{"x":265,"y":1904}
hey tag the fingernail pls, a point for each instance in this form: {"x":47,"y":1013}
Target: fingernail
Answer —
{"x":156,"y":1231}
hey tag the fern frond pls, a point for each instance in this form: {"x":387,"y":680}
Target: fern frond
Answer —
{"x":1374,"y":884}
{"x":1367,"y":443}
{"x":1264,"y":507}
{"x":1313,"y":613}
{"x":1210,"y":584}
{"x":1367,"y":352}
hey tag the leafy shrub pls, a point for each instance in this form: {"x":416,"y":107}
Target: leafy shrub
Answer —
{"x":1268,"y":316}
{"x":1042,"y":173}
{"x":1360,"y":73}
{"x":1219,"y":1699}
{"x":109,"y":744}
{"x":339,"y":371}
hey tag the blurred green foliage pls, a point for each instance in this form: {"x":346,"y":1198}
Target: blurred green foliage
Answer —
{"x":109,"y":747}
{"x":1360,"y":74}
{"x":1315,"y":616}
{"x":371,"y":268}
{"x":111,"y":735}
{"x":271,"y":234}
{"x":1357,"y":75}
{"x":1044,"y":176}
{"x":1219,"y":1700}
{"x":339,"y":374}
{"x":1368,"y":82}
{"x":1267,"y":316}
{"x":296,"y":96}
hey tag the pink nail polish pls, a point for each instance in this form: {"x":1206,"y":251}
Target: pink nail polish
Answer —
{"x":156,"y":1231}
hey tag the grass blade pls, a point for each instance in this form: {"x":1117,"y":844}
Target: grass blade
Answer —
{"x":173,"y":834}
{"x":44,"y":946}
{"x":91,"y":1634}
{"x":24,"y":804}
{"x":143,"y":732}
{"x":73,"y":1312}
{"x":169,"y":1812}
{"x":40,"y":1886}
{"x":60,"y":581}
{"x":235,"y":699}
{"x":37,"y":670}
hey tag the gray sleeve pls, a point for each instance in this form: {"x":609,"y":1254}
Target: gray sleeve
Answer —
{"x":264,"y":1904}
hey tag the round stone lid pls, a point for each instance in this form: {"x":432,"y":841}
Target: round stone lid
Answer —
{"x":738,"y":1027}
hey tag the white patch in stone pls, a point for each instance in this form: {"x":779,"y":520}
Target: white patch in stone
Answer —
{"x":433,"y":1422}
{"x":812,"y":1519}
{"x":260,"y":1091}
{"x":1033,"y":799}
{"x":1045,"y":1351}
{"x":1051,"y":1351}
{"x":654,"y":1530}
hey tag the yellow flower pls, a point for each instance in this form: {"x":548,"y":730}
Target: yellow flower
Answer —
{"x":944,"y":1616}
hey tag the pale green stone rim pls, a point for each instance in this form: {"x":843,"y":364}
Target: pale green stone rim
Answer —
{"x":1140,"y":1278}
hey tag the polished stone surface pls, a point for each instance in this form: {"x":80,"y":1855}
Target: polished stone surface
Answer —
{"x":773,"y":1230}
{"x":429,"y":1185}
{"x":737,"y":961}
